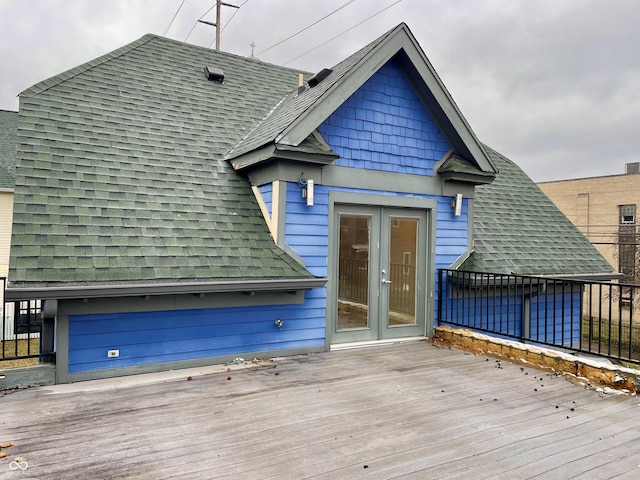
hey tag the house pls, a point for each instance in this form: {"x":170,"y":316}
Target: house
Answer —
{"x":605,"y":210}
{"x":178,"y":206}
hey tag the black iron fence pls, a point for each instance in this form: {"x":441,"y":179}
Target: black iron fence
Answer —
{"x":354,"y":280}
{"x":600,"y":318}
{"x":21,"y":327}
{"x":402,"y":289}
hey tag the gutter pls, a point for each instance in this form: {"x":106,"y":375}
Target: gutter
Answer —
{"x":471,"y":278}
{"x":174,"y":288}
{"x":589,"y":277}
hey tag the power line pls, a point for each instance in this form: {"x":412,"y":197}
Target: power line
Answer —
{"x":196,"y":22}
{"x":305,"y":28}
{"x":174,"y":18}
{"x":340,"y":34}
{"x":234,"y":14}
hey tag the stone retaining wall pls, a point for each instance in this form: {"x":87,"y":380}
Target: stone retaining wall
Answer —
{"x":590,"y":372}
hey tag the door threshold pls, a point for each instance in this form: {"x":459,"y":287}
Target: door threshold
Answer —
{"x":375,"y":343}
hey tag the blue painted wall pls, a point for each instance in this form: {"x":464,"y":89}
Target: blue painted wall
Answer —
{"x":307,"y":231}
{"x":553,"y":318}
{"x":167,"y":336}
{"x":266,"y":191}
{"x":496,"y":310}
{"x":556,"y":318}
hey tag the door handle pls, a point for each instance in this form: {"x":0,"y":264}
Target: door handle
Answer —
{"x":386,"y":281}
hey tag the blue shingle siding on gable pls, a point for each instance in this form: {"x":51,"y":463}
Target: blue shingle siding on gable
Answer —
{"x":145,"y":338}
{"x":384,"y":126}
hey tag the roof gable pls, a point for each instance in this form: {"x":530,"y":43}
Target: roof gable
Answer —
{"x":300,"y":113}
{"x":8,"y":134}
{"x":383,"y":126}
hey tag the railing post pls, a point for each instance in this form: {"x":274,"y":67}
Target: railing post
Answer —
{"x":440,"y":286}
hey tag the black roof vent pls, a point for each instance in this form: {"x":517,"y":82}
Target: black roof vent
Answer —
{"x":214,"y":74}
{"x":320,"y":76}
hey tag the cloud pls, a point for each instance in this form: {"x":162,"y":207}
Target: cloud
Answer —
{"x":555,"y":85}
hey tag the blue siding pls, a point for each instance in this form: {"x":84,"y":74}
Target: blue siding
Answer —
{"x":145,"y":338}
{"x":384,"y":126}
{"x":553,"y":318}
{"x":307,"y":229}
{"x":452,"y":234}
{"x":500,"y":315}
{"x":556,"y":318}
{"x":307,"y":232}
{"x":267,"y":196}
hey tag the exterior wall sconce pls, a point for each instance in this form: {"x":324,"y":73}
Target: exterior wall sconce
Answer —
{"x":307,"y":188}
{"x":456,"y":204}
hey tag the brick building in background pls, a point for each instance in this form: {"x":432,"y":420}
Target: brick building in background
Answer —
{"x":606,"y":210}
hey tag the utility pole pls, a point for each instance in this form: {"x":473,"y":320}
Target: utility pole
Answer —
{"x":219,"y":4}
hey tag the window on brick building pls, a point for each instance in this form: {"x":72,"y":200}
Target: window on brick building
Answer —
{"x":628,"y":244}
{"x":627,"y":214}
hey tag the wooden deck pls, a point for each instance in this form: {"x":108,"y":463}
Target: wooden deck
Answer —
{"x":395,"y":411}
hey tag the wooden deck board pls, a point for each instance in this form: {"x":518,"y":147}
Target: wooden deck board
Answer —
{"x":396,"y":411}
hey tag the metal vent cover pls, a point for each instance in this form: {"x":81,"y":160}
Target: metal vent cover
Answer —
{"x":214,"y":74}
{"x":320,"y":76}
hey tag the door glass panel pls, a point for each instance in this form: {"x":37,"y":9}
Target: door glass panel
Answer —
{"x":353,"y":272}
{"x":403,"y":249}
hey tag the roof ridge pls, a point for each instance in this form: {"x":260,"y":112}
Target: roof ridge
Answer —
{"x":62,"y":77}
{"x":229,"y":54}
{"x":338,"y":73}
{"x":229,"y":154}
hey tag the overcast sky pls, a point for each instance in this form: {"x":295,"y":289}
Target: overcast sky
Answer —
{"x":552,"y":84}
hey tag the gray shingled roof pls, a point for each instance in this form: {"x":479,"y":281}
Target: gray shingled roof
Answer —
{"x":517,"y":229}
{"x":8,"y":133}
{"x":293,"y":105}
{"x":120,"y":176}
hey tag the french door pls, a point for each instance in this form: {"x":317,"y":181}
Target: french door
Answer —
{"x":380,"y":253}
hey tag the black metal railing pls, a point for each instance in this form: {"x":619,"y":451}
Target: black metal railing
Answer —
{"x":21,"y":327}
{"x":354,"y":284}
{"x":402,"y":289}
{"x":599,"y":318}
{"x":354,"y":280}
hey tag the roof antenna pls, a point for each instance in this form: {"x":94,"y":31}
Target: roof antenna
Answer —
{"x":219,"y":3}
